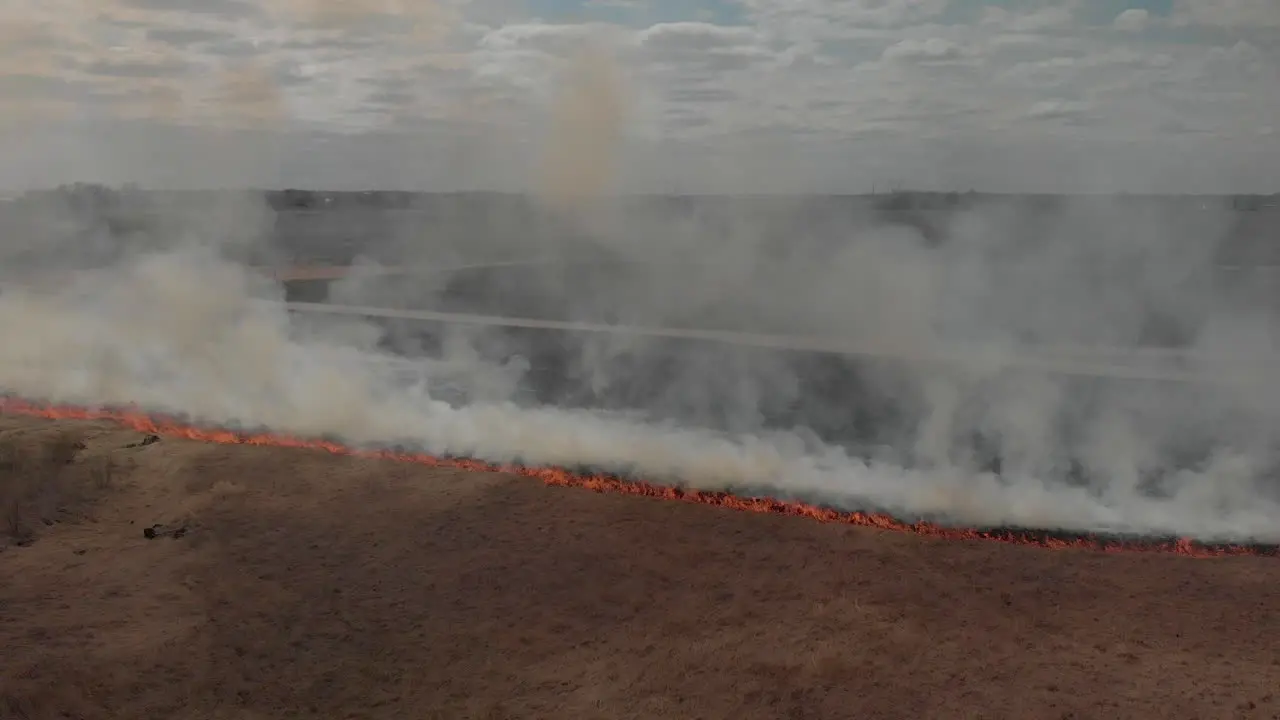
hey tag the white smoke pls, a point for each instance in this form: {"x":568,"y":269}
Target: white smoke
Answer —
{"x":175,"y":324}
{"x":186,"y":332}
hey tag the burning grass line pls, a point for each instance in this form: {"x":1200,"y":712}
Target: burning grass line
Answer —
{"x":157,"y":424}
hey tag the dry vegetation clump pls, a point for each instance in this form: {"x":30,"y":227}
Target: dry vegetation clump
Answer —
{"x":44,"y":480}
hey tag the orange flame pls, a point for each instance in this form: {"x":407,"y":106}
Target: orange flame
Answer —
{"x":161,"y":425}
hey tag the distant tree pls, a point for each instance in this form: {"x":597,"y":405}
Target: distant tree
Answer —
{"x":292,"y":198}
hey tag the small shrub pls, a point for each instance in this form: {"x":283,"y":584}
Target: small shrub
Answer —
{"x":102,"y":473}
{"x":35,"y":485}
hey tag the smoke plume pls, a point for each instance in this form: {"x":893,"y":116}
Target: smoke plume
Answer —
{"x":945,"y":419}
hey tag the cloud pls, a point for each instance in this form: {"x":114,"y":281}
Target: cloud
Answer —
{"x":699,"y":50}
{"x":862,"y":79}
{"x":930,"y":50}
{"x":693,"y":37}
{"x":179,"y":37}
{"x":1053,"y":17}
{"x":1132,"y":20}
{"x":223,"y":8}
{"x":157,"y":67}
{"x":1058,"y":109}
{"x":1228,"y":13}
{"x":807,"y":22}
{"x":539,"y":37}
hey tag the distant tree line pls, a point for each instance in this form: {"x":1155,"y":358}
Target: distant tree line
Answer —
{"x":102,"y":199}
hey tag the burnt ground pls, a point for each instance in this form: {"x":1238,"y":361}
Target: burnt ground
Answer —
{"x":309,"y":585}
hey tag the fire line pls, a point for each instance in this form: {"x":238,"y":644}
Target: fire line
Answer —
{"x":142,"y":421}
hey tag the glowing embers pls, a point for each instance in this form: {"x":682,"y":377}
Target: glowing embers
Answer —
{"x":161,"y":425}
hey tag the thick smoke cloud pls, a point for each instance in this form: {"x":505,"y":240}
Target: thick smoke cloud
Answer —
{"x":165,"y":314}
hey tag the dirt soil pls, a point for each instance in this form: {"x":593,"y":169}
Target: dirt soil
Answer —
{"x":301,"y":584}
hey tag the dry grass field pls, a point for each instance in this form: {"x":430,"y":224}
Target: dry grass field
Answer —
{"x":291,"y":583}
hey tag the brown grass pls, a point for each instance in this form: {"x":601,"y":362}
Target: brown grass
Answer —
{"x":44,"y":480}
{"x":314,"y":586}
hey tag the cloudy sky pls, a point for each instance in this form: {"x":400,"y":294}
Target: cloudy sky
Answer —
{"x":677,"y":95}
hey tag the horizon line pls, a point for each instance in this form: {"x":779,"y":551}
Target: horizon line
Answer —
{"x":132,"y":187}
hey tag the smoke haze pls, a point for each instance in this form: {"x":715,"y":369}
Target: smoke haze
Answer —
{"x":167,"y":316}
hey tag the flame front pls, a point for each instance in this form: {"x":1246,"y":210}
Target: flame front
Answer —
{"x":160,"y":425}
